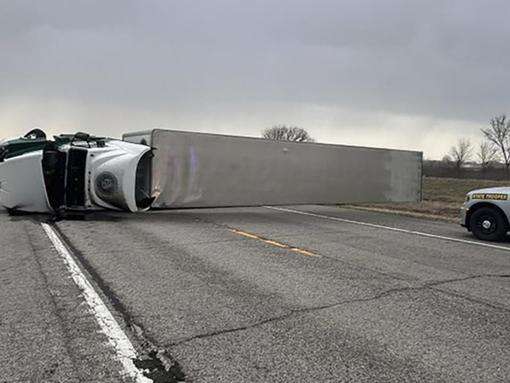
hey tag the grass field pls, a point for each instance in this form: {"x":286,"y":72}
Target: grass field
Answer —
{"x":442,"y":198}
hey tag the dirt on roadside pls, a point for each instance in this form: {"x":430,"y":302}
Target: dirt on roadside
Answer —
{"x":442,"y":198}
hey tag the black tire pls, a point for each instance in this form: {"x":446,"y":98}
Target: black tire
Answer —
{"x":488,"y":224}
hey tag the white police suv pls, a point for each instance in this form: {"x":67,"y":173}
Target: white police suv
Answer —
{"x":485,"y":213}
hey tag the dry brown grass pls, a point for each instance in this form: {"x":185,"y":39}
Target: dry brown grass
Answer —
{"x":442,"y":197}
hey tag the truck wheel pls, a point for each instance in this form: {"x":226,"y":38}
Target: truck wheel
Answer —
{"x":488,"y":224}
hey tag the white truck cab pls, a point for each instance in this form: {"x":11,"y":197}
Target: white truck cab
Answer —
{"x":485,"y":213}
{"x":73,"y":173}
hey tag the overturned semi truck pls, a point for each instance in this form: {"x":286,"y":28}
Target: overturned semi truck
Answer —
{"x":175,"y":169}
{"x":77,"y":173}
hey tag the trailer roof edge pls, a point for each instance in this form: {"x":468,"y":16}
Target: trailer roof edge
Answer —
{"x":152,"y":131}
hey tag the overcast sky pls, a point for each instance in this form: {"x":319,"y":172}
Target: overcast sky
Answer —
{"x":403,"y":74}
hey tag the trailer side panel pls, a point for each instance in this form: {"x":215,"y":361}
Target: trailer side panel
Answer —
{"x":206,"y":170}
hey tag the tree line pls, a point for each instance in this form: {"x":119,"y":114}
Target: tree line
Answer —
{"x":493,"y":150}
{"x":492,"y":154}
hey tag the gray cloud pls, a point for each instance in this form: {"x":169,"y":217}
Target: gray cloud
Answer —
{"x":343,"y":69}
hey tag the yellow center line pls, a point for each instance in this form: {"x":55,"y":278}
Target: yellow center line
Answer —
{"x":304,"y":252}
{"x":243,"y":233}
{"x":275,"y":243}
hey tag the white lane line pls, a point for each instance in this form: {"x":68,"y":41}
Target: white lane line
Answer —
{"x":419,"y":233}
{"x":124,"y":350}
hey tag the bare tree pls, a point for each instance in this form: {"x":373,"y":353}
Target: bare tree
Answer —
{"x":486,"y":154}
{"x":461,"y":152}
{"x":499,"y":135}
{"x":287,"y":133}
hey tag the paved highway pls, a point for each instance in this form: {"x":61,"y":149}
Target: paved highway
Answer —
{"x":292,"y":294}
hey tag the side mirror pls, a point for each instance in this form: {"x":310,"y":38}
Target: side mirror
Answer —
{"x":35,"y":134}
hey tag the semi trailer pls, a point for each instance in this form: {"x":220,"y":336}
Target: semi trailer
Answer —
{"x":191,"y":169}
{"x":176,"y":169}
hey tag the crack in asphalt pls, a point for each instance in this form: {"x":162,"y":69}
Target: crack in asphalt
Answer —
{"x":155,"y":362}
{"x":469,"y":298}
{"x":383,"y":294}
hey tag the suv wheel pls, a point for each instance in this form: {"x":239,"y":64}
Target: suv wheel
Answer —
{"x":488,"y":224}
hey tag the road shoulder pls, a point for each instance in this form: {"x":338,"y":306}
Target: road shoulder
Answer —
{"x":46,"y":331}
{"x":403,"y":212}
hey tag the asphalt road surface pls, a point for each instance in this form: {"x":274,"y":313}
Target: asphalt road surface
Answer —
{"x":293,"y":294}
